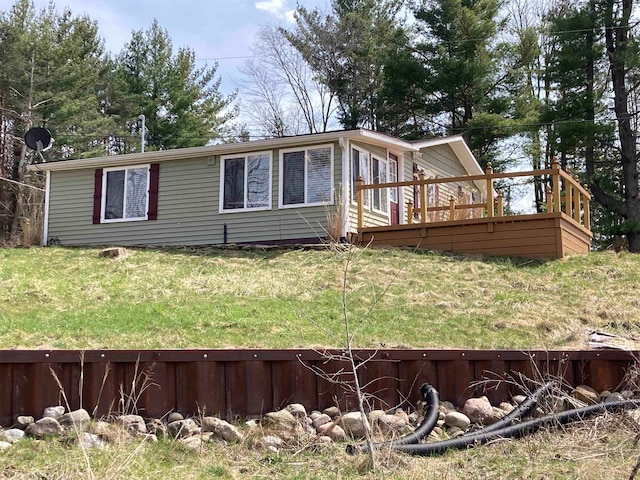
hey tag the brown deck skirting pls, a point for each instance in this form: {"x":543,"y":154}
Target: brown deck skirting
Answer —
{"x":544,"y":235}
{"x":241,"y":383}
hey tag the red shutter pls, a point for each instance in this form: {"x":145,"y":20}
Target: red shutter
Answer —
{"x":97,"y":196}
{"x":154,"y":180}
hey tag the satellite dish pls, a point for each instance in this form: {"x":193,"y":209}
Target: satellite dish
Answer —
{"x":38,"y":138}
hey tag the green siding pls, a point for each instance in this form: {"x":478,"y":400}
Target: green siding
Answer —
{"x":188,"y":210}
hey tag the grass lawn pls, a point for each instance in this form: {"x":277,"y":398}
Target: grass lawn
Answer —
{"x":70,"y":298}
{"x":217,"y":298}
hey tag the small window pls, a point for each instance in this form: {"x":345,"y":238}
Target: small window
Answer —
{"x":306,"y":176}
{"x":246,"y":182}
{"x":125,"y":194}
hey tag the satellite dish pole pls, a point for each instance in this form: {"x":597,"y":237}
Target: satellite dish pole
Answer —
{"x":142,"y":132}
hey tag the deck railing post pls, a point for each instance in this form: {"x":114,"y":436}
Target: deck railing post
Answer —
{"x":555,"y":180}
{"x":549,"y":199}
{"x":452,"y":208}
{"x":490,"y":199}
{"x":500,"y":203}
{"x":587,"y":212}
{"x":360,"y":197}
{"x":568,"y":195}
{"x":409,"y":212}
{"x":576,"y":200}
{"x":423,"y":198}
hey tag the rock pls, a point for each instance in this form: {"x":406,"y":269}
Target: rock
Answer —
{"x":281,"y":418}
{"x":498,"y":414}
{"x":4,"y":445}
{"x":183,"y":428}
{"x":23,"y":421}
{"x":78,"y":419}
{"x":89,"y":440}
{"x":615,"y":397}
{"x":297,"y":410}
{"x":506,"y":406}
{"x":272,"y":441}
{"x":585,"y":394}
{"x":228,"y":432}
{"x":392,"y":423}
{"x":321,"y":420}
{"x":604,"y":395}
{"x":447,"y":407}
{"x":457,"y":419}
{"x":403,"y":415}
{"x":519,"y":399}
{"x":132,"y":423}
{"x":209,"y":424}
{"x":175,"y":417}
{"x":150,"y":438}
{"x":324,"y":440}
{"x":333,"y":412}
{"x":315,"y":414}
{"x":251,"y":424}
{"x":113,"y":252}
{"x":157,"y":427}
{"x":627,"y":394}
{"x":333,"y":431}
{"x":479,"y":410}
{"x":13,"y":435}
{"x":54,"y":412}
{"x":455,"y":432}
{"x":44,"y":427}
{"x":414,"y":418}
{"x":374,"y":415}
{"x":353,"y":424}
{"x":194,"y":442}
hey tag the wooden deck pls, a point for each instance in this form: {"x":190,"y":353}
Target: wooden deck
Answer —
{"x":564,"y":228}
{"x":545,"y":235}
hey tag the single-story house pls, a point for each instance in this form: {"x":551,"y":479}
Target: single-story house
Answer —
{"x":281,"y":190}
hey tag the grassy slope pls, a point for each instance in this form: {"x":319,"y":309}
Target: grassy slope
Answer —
{"x":71,"y":298}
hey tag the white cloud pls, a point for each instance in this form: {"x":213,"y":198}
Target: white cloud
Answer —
{"x":277,"y":8}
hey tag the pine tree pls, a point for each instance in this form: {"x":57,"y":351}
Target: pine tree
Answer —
{"x":182,"y":104}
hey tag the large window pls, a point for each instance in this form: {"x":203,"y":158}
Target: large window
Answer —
{"x":246,"y":182}
{"x":125,"y":194}
{"x":306,"y":176}
{"x":373,"y":170}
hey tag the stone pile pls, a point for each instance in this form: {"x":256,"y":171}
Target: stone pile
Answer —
{"x":290,"y":427}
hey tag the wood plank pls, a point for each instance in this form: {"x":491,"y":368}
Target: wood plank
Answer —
{"x":381,"y":377}
{"x":413,"y":374}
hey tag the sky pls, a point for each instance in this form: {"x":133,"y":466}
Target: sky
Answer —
{"x":221,"y":30}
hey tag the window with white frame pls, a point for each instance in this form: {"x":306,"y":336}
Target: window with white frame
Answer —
{"x":125,"y":194}
{"x":379,"y":169}
{"x":306,"y":176}
{"x":360,"y":168}
{"x":246,"y":182}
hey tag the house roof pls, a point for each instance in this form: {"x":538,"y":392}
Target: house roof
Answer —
{"x":368,"y":136}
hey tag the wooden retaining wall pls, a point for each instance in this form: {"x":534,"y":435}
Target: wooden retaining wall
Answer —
{"x":240,"y":383}
{"x":545,"y":235}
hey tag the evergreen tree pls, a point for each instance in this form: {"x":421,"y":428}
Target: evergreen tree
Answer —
{"x":465,"y":71}
{"x":348,"y":50}
{"x":182,"y":104}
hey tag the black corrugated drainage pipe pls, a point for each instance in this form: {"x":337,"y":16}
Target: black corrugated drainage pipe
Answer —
{"x":430,"y":420}
{"x":516,"y":431}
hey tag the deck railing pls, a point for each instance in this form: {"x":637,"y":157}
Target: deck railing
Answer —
{"x":565,"y":195}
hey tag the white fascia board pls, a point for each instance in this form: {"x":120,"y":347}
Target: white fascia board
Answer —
{"x":367,"y":136}
{"x":462,"y":151}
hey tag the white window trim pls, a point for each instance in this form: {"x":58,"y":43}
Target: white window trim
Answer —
{"x":221,"y":208}
{"x":385,"y":162}
{"x":305,"y":149}
{"x":352,"y":185}
{"x":103,"y":200}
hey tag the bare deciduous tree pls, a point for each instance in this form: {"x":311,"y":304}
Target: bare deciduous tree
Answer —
{"x":285,"y":97}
